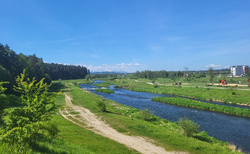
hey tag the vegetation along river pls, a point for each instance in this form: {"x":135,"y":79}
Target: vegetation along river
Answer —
{"x":232,"y":129}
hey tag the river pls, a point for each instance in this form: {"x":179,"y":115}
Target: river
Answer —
{"x":232,"y":129}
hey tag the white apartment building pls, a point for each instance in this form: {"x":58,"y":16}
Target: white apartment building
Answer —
{"x":239,"y":70}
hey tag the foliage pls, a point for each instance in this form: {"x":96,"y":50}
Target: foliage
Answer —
{"x":203,"y":136}
{"x":102,"y":106}
{"x":211,"y":73}
{"x":188,"y":126}
{"x":23,"y":124}
{"x":88,"y":77}
{"x":3,"y":99}
{"x":60,"y":71}
{"x":204,"y":106}
{"x":12,"y":64}
{"x":145,"y":114}
{"x":107,"y":91}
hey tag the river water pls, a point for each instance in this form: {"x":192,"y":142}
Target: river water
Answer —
{"x":232,"y":129}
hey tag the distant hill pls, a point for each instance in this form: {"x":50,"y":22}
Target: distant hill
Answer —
{"x":107,"y":72}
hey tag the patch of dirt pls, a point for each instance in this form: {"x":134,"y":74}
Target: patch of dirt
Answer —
{"x":88,"y":120}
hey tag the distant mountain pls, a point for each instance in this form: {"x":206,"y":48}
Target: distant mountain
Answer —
{"x":107,"y":72}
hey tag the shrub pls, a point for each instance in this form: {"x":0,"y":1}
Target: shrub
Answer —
{"x":156,"y":86}
{"x":102,"y":106}
{"x":23,"y":124}
{"x":188,"y":126}
{"x":145,"y":114}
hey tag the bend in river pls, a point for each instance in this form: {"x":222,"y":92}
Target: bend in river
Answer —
{"x":232,"y":129}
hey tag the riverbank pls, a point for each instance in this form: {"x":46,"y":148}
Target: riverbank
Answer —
{"x":230,"y":95}
{"x":124,"y":119}
{"x":203,"y":106}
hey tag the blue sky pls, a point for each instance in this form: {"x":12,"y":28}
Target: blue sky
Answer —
{"x":130,"y":35}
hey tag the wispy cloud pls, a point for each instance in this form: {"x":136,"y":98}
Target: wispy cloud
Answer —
{"x":122,"y":67}
{"x":217,"y":66}
{"x":72,"y":39}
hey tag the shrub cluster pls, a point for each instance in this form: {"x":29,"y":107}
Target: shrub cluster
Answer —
{"x":188,"y":126}
{"x":108,"y":91}
{"x":102,"y":106}
{"x":204,"y":106}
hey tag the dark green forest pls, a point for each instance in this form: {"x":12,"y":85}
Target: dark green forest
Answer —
{"x":12,"y":64}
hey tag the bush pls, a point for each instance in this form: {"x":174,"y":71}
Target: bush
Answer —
{"x":156,"y":86}
{"x":145,"y":114}
{"x":23,"y":123}
{"x":188,"y":126}
{"x":102,"y":106}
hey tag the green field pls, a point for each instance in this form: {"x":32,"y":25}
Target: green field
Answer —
{"x":210,"y":93}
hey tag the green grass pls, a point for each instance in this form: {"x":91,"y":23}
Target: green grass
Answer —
{"x":82,"y":140}
{"x":107,"y":91}
{"x":204,"y":106}
{"x":229,"y":95}
{"x":126,"y":120}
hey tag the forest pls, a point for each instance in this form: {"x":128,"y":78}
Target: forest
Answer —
{"x":12,"y":64}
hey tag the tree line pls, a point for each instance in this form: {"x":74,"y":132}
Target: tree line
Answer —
{"x":172,"y":74}
{"x":12,"y":64}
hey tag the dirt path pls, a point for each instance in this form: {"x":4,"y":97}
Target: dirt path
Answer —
{"x":88,"y":120}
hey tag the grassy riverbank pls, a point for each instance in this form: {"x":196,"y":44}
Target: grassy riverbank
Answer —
{"x":204,"y":106}
{"x":127,"y":120}
{"x":228,"y":95}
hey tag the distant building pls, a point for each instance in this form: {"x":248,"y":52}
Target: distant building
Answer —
{"x":239,"y":70}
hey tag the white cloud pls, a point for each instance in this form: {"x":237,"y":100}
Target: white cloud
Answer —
{"x":217,"y":66}
{"x":213,"y":65}
{"x":122,"y":67}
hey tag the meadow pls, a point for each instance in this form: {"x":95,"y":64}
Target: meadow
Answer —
{"x":232,"y":95}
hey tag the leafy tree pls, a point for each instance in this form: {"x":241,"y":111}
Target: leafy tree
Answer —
{"x":3,"y":99}
{"x":88,"y":77}
{"x":23,"y":125}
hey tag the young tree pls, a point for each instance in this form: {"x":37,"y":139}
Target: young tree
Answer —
{"x":23,"y":124}
{"x":211,"y":74}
